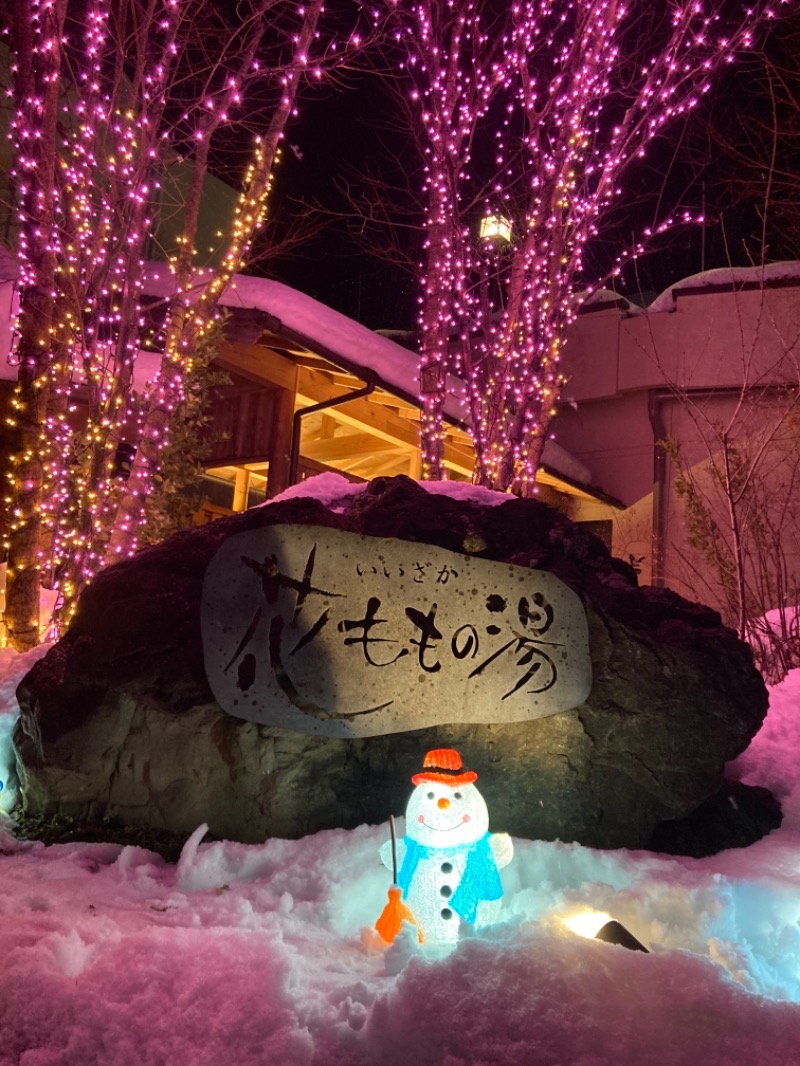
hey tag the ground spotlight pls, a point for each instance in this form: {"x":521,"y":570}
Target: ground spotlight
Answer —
{"x":614,"y":933}
{"x":597,"y":925}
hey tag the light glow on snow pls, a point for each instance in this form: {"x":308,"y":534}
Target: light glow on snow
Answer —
{"x":586,"y":923}
{"x":256,"y":953}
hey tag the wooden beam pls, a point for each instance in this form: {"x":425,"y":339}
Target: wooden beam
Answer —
{"x":281,"y":443}
{"x":327,"y":427}
{"x":346,"y":446}
{"x":240,"y":489}
{"x":410,"y":413}
{"x":363,"y":414}
{"x":384,"y":468}
{"x":258,"y":363}
{"x":262,"y":364}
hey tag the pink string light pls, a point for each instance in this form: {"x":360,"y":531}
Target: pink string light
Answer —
{"x":575,"y":111}
{"x":102,"y":199}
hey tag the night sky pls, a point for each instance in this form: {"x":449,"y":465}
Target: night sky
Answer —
{"x":336,"y":139}
{"x":340,"y":134}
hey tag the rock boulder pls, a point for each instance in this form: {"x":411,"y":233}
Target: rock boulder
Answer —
{"x":118,"y":721}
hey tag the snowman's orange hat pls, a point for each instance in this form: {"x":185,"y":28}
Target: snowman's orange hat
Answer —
{"x":445,"y":766}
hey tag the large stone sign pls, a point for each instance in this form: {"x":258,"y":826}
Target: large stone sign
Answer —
{"x":119,"y":724}
{"x":328,"y":632}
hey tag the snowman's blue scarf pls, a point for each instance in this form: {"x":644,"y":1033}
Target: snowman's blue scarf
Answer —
{"x":479,"y":881}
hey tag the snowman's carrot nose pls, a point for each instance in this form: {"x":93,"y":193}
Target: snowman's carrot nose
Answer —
{"x":443,"y":803}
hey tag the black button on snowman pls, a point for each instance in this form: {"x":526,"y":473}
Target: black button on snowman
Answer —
{"x":449,"y":861}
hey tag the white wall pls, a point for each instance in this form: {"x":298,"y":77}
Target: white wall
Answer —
{"x":621,"y":367}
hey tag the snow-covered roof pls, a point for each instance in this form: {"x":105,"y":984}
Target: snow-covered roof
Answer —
{"x":336,"y":336}
{"x":758,"y":276}
{"x":602,"y":298}
{"x":331,"y":334}
{"x":321,"y":329}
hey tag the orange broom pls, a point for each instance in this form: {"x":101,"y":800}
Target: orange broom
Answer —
{"x":395,"y":912}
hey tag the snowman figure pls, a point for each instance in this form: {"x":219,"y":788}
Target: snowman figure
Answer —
{"x":448,"y":860}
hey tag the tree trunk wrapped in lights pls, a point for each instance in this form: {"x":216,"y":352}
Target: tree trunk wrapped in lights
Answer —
{"x":583,"y":86}
{"x":40,"y":29}
{"x":453,"y":61}
{"x":193,"y":315}
{"x":135,"y":89}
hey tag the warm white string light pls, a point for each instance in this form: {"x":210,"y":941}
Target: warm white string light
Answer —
{"x":90,"y":221}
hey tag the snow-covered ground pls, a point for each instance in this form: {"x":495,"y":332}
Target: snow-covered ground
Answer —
{"x":257,"y":954}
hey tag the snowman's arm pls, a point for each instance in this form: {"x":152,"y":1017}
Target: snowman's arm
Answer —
{"x":386,"y":853}
{"x":502,"y":848}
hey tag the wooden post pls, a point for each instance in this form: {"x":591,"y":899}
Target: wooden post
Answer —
{"x":281,"y":442}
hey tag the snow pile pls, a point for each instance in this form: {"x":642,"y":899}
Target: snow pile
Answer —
{"x":333,"y":489}
{"x":259,"y":954}
{"x":771,"y":760}
{"x":12,"y":668}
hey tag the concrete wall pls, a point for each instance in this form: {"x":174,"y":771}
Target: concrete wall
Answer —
{"x":623,"y":370}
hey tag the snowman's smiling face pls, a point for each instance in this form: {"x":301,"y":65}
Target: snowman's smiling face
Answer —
{"x":444,"y":816}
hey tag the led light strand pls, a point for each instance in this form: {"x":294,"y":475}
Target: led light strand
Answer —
{"x":562,"y":146}
{"x":90,"y":220}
